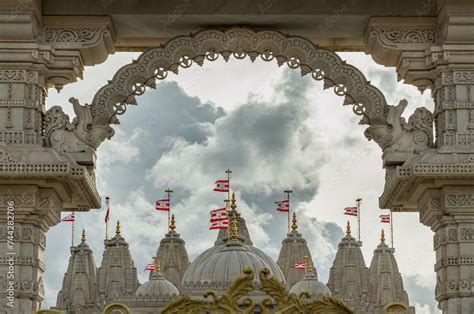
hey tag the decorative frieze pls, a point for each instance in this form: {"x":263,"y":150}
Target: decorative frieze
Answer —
{"x":460,"y":200}
{"x":20,"y":199}
{"x":86,"y":36}
{"x":459,"y":138}
{"x":463,"y":77}
{"x":394,"y":36}
{"x":18,"y":137}
{"x":18,"y":76}
{"x":454,"y":261}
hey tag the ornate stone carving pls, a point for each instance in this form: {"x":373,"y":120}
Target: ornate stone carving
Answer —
{"x":130,"y":81}
{"x":394,"y":36}
{"x":80,"y":135}
{"x":87,"y":36}
{"x":460,"y":200}
{"x":401,"y":136}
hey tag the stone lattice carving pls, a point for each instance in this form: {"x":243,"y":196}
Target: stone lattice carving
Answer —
{"x":401,"y":136}
{"x":80,"y":135}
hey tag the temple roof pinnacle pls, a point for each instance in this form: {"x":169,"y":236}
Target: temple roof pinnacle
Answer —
{"x":294,"y":226}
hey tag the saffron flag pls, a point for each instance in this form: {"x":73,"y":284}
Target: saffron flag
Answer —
{"x":150,"y":267}
{"x":283,"y":206}
{"x":221,"y":186}
{"x":162,"y":204}
{"x":385,"y":218}
{"x":218,"y":215}
{"x":300,"y":266}
{"x":71,"y":217}
{"x":220,"y":224}
{"x":351,"y":211}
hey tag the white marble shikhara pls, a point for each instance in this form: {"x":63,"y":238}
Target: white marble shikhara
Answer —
{"x":365,"y":290}
{"x":48,"y":159}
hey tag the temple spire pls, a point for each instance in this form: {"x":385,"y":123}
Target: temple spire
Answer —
{"x":234,"y":226}
{"x":83,"y":238}
{"x":348,"y":229}
{"x":233,"y":203}
{"x":294,"y":226}
{"x":382,"y":236}
{"x":173,"y":225}
{"x":156,"y":263}
{"x":117,"y":228}
{"x":308,"y":265}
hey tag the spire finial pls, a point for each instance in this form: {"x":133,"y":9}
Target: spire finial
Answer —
{"x":308,"y":265}
{"x":233,"y":205}
{"x":83,"y":239}
{"x":294,"y":226}
{"x":382,"y":236}
{"x":234,"y":227}
{"x":117,"y":228}
{"x":348,"y":229}
{"x":156,"y":263}
{"x":172,"y":226}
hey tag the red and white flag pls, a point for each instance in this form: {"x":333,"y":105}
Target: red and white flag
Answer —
{"x":219,"y":214}
{"x":351,"y":211}
{"x":162,"y":204}
{"x":283,"y":206}
{"x":150,"y":267}
{"x":222,"y":186}
{"x":385,"y":218}
{"x":300,"y":266}
{"x":69,"y":218}
{"x":220,"y":224}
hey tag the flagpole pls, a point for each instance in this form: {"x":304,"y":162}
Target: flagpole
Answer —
{"x":169,"y":191}
{"x":72,"y":231}
{"x":358,"y":217}
{"x":107,"y":208}
{"x":288,"y":191}
{"x":391,"y":228}
{"x":228,"y":172}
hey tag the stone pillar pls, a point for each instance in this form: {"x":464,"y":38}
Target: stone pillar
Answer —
{"x":450,"y":213}
{"x":436,"y":54}
{"x":38,"y":181}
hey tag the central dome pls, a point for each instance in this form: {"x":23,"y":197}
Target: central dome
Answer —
{"x":225,"y":266}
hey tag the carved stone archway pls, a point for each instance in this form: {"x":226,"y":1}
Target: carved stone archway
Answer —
{"x":93,"y":121}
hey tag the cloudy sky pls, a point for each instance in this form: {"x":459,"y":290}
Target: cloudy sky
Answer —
{"x":274,"y":129}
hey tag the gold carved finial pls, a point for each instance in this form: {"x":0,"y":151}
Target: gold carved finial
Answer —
{"x":308,"y":265}
{"x":117,"y":228}
{"x":348,"y":229}
{"x":172,"y":226}
{"x":294,"y":226}
{"x":233,"y":205}
{"x":234,"y":227}
{"x":83,"y":239}
{"x":382,"y":236}
{"x":156,"y":263}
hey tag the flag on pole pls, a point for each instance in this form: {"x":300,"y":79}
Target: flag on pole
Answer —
{"x":69,"y":218}
{"x":385,"y":218}
{"x":150,"y":267}
{"x":351,"y":211}
{"x":220,"y":224}
{"x":300,"y":266}
{"x":218,"y":215}
{"x":162,"y":204}
{"x":221,"y":186}
{"x":283,"y":206}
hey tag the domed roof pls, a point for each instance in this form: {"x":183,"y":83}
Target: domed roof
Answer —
{"x":310,"y":283}
{"x":221,"y":268}
{"x":157,"y":286}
